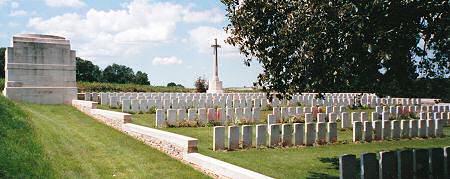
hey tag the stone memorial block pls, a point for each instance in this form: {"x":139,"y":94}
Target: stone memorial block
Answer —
{"x":332,"y":132}
{"x":192,"y":115}
{"x":126,"y":105}
{"x":386,"y":130}
{"x":238,"y":114}
{"x":375,"y":116}
{"x":437,"y":161}
{"x":276,"y":113}
{"x":247,"y":114}
{"x":274,"y":135}
{"x":413,"y":128}
{"x":422,"y":128}
{"x":298,"y":111}
{"x":233,"y":137}
{"x":135,"y":106}
{"x":261,"y":132}
{"x":347,"y":167}
{"x":286,"y":134}
{"x":104,"y":99}
{"x":143,"y":106}
{"x":404,"y":134}
{"x":364,"y":117}
{"x":166,"y":104}
{"x":321,"y":133}
{"x":247,"y":134}
{"x":385,"y":116}
{"x":388,"y":165}
{"x":221,"y":117}
{"x":271,"y":119}
{"x":291,"y":111}
{"x":284,"y":114}
{"x":299,"y":132}
{"x":321,"y":117}
{"x":160,"y":118}
{"x":422,"y":164}
{"x":88,"y":96}
{"x":310,"y":133}
{"x":308,"y":118}
{"x":181,"y":115}
{"x":396,"y":130}
{"x":342,"y":109}
{"x":202,"y":120}
{"x":172,"y":117}
{"x":357,"y":131}
{"x":439,"y":131}
{"x":113,"y":102}
{"x":405,"y":164}
{"x":378,"y":129}
{"x":346,"y":123}
{"x":369,"y":166}
{"x":40,"y":69}
{"x":367,"y":134}
{"x":332,"y":117}
{"x":219,"y":138}
{"x":256,"y":115}
{"x":431,"y":128}
{"x":229,"y":115}
{"x":212,"y":114}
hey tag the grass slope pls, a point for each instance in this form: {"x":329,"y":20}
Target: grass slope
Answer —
{"x":57,"y":141}
{"x":21,"y":155}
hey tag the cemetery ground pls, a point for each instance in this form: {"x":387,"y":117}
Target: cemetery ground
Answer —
{"x":58,"y":141}
{"x":293,"y":162}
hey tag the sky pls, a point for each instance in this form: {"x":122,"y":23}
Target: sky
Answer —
{"x":168,"y":39}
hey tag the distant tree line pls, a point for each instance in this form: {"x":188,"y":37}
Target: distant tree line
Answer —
{"x":89,"y":72}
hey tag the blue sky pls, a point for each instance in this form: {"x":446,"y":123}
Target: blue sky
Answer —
{"x":170,"y":40}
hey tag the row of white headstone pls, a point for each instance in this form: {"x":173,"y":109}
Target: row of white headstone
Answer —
{"x":203,"y":116}
{"x":295,"y":134}
{"x":199,"y":100}
{"x":396,"y":129}
{"x":321,"y":133}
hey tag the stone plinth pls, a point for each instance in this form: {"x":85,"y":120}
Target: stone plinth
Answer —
{"x":215,"y":86}
{"x":40,"y":69}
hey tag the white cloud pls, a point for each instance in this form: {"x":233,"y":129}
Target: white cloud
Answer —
{"x":213,"y":16}
{"x":167,"y":61}
{"x":65,"y":3}
{"x":203,"y":37}
{"x":15,"y":5}
{"x":124,"y":31}
{"x":17,"y":13}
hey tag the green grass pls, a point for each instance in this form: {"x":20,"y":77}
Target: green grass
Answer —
{"x":21,"y":154}
{"x":294,"y":162}
{"x":57,"y":141}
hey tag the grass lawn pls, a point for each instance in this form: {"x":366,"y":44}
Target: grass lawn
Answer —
{"x":294,"y":162}
{"x":73,"y":145}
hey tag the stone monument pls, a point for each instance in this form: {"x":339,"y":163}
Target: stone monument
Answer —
{"x":215,"y":85}
{"x":40,"y":69}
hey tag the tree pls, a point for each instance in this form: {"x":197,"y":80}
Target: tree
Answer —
{"x":336,"y":46}
{"x":200,"y":85}
{"x":118,"y":74}
{"x":87,"y":71}
{"x":141,"y":78}
{"x":2,"y":62}
{"x":171,"y":84}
